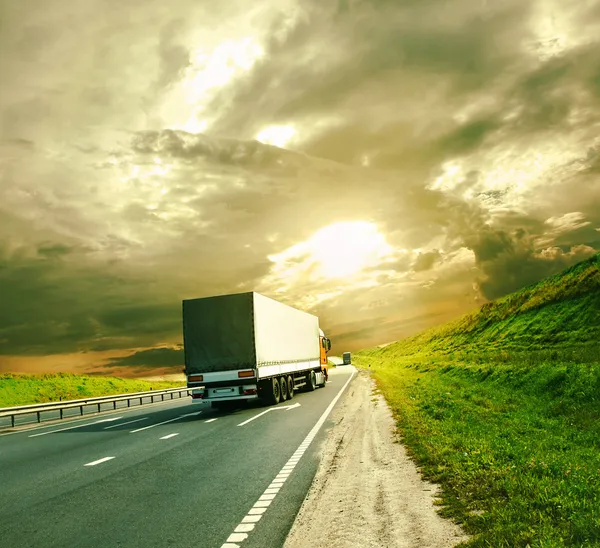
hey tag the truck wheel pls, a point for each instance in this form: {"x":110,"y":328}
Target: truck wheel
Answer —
{"x":283,"y":388}
{"x":311,"y":381}
{"x":275,"y":392}
{"x":324,"y":380}
{"x":290,"y":387}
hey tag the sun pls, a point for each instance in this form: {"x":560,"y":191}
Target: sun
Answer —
{"x":346,"y":248}
{"x":340,"y":250}
{"x":278,"y":136}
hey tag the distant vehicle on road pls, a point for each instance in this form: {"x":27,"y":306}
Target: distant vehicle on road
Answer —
{"x":245,"y":346}
{"x":346,"y":356}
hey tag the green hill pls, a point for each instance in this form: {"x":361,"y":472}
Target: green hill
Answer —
{"x":501,"y":407}
{"x":560,"y":311}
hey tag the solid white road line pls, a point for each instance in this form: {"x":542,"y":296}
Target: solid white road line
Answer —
{"x":165,"y":422}
{"x":99,"y":461}
{"x":124,"y":423}
{"x":170,"y":436}
{"x":240,"y":533}
{"x":72,"y":427}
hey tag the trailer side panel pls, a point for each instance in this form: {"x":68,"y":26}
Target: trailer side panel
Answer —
{"x":284,"y":335}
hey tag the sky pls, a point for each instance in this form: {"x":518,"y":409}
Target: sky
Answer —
{"x":386,"y":165}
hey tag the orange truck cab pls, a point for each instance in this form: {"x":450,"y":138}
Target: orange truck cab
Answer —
{"x":325,"y":346}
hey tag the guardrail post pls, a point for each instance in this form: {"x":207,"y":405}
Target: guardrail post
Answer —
{"x":61,"y":412}
{"x":38,"y":416}
{"x":12,"y":421}
{"x":115,"y":404}
{"x":98,"y":408}
{"x":128,"y":402}
{"x":81,"y":410}
{"x":140,"y":401}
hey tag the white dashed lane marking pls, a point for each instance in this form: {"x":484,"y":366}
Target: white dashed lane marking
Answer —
{"x":124,"y":423}
{"x":165,"y":422}
{"x":170,"y":436}
{"x":73,"y":427}
{"x":99,"y":461}
{"x":246,"y":526}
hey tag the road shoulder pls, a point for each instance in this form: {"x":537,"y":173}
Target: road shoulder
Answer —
{"x":367,"y":492}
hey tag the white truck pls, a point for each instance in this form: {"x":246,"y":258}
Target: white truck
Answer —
{"x":245,"y":346}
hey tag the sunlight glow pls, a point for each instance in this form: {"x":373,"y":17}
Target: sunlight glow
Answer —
{"x":158,"y":170}
{"x":555,"y":29}
{"x":212,"y":69}
{"x":277,"y":136}
{"x":340,"y":250}
{"x":209,"y":70}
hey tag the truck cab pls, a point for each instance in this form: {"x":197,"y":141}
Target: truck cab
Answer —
{"x":325,"y":346}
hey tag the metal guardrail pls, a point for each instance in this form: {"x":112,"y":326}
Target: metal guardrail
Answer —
{"x":60,"y":406}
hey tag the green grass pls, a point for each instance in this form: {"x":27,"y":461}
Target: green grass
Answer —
{"x":502,"y":409}
{"x":29,"y":389}
{"x":563,"y":310}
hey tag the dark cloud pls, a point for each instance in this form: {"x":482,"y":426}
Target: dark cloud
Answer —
{"x":57,"y":307}
{"x":155,"y":357}
{"x":509,"y":262}
{"x":174,"y":56}
{"x":226,"y":152}
{"x":426,"y":261}
{"x":50,"y":250}
{"x":468,"y":137}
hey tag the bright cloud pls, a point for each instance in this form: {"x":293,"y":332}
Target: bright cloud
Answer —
{"x":278,"y":136}
{"x":210,"y":69}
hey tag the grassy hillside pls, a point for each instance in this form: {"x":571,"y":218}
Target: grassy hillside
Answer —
{"x":502,"y":408}
{"x":27,"y":389}
{"x":560,"y":311}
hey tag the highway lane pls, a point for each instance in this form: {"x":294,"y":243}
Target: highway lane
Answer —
{"x":157,"y":481}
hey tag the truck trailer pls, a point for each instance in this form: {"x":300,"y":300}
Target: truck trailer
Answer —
{"x":246,"y":346}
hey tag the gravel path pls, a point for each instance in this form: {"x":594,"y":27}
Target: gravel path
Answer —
{"x":367,"y":493}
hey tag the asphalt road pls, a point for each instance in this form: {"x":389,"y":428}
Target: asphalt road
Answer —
{"x":177,"y":474}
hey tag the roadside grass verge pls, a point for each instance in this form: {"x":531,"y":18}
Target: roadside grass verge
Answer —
{"x":29,"y":389}
{"x":513,"y":438}
{"x":501,"y":408}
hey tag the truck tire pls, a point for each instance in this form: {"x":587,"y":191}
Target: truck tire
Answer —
{"x":283,"y":388}
{"x":290,"y":387}
{"x":311,"y":381}
{"x":275,"y":397}
{"x":324,"y":381}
